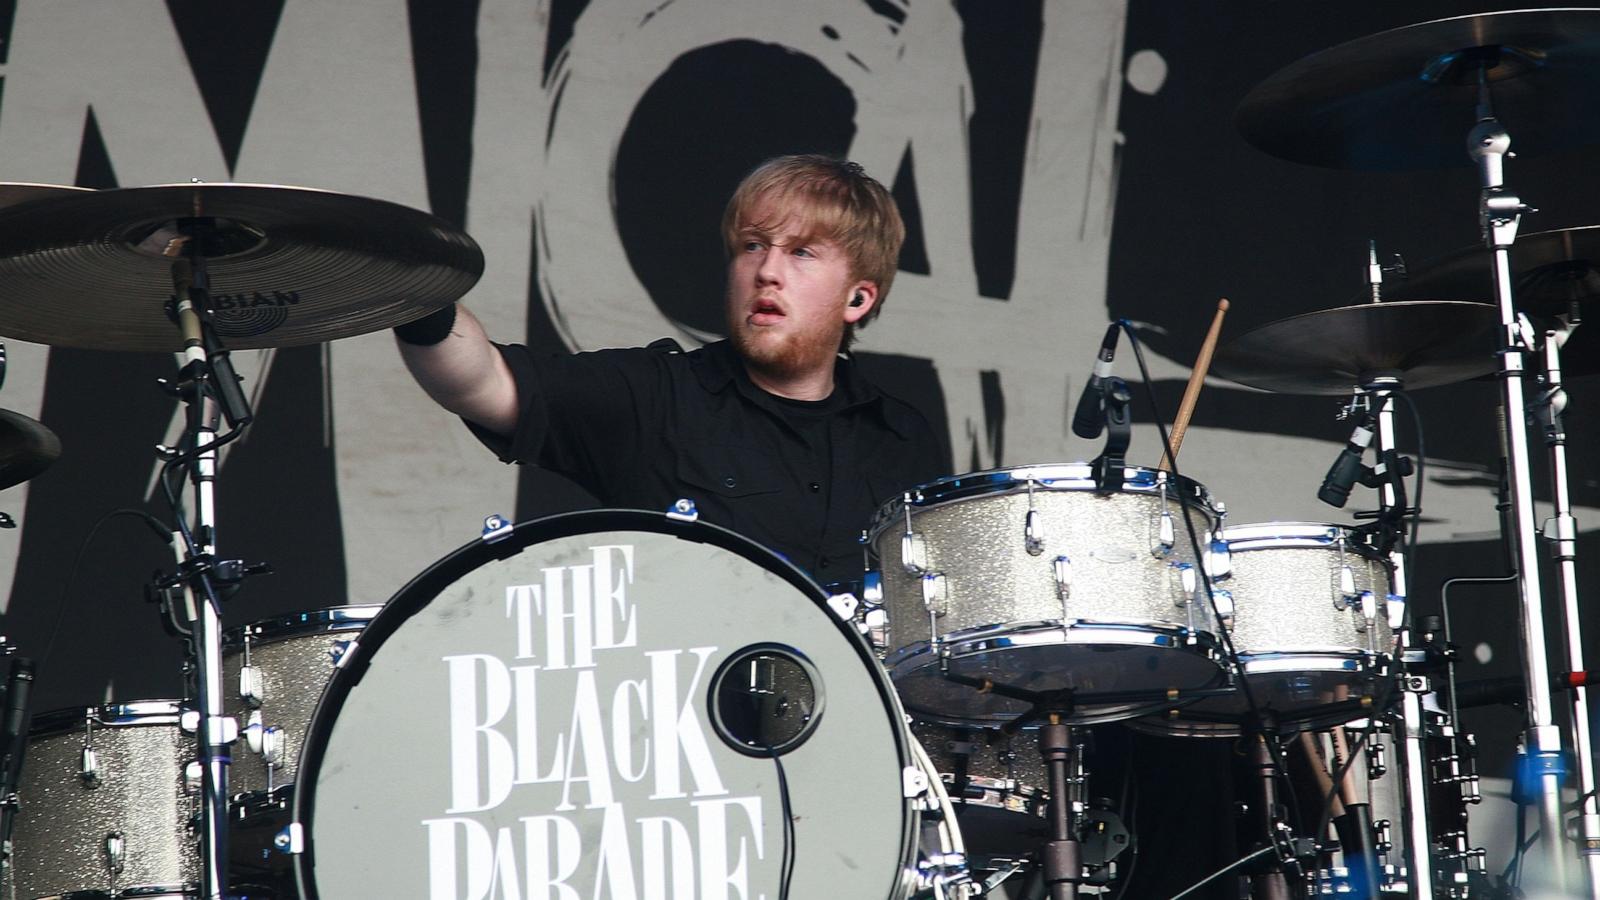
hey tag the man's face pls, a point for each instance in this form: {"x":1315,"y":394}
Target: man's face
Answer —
{"x":788,"y":297}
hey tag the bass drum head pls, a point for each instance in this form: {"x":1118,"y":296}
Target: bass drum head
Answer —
{"x":544,"y":710}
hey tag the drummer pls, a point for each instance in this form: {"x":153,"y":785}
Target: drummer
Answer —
{"x":774,"y":432}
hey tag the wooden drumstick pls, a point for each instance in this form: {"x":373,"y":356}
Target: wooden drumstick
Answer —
{"x":1320,"y":772}
{"x":1191,"y":394}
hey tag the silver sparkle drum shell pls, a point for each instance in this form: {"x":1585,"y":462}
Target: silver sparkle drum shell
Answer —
{"x":399,"y":796}
{"x":292,"y":657}
{"x":1298,"y":625}
{"x":126,"y":831}
{"x":1101,"y":601}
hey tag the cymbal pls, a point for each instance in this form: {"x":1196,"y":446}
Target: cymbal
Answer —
{"x":288,"y":266}
{"x":1549,"y":271}
{"x":16,"y":193}
{"x":26,"y":448}
{"x":1406,"y":98}
{"x":1423,"y":343}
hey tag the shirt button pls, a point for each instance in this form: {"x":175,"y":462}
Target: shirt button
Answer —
{"x":730,"y":481}
{"x":815,"y":486}
{"x":823,"y":564}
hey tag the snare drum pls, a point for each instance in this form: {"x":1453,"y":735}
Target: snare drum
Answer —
{"x":609,"y":702}
{"x":1033,"y":578}
{"x":106,"y":807}
{"x":1312,"y":622}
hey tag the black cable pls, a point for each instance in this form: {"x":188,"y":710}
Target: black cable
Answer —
{"x":1275,"y":751}
{"x":786,"y":864}
{"x":1239,"y":863}
{"x":65,"y":602}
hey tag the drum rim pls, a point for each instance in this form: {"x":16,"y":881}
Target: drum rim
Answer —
{"x":1078,"y":476}
{"x":425,"y":587}
{"x":131,"y":713}
{"x":285,"y":626}
{"x":1286,"y":535}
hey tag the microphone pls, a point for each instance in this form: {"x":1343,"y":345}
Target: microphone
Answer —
{"x":1344,"y":472}
{"x":14,"y":724}
{"x":1088,"y":421}
{"x":1510,"y":689}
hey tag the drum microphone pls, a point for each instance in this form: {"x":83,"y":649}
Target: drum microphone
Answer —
{"x":1511,"y":689}
{"x":1089,"y":420}
{"x":14,"y":724}
{"x":1346,"y":470}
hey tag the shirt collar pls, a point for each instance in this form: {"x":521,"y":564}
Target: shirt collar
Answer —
{"x":718,"y":367}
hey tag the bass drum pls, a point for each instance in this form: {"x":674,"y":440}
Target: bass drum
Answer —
{"x":614,"y":703}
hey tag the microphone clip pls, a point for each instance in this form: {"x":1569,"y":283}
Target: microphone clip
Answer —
{"x":1108,"y":467}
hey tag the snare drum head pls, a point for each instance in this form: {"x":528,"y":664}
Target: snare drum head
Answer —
{"x":541,"y":711}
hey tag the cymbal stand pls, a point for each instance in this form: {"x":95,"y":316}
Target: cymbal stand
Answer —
{"x":1500,"y":212}
{"x":1413,"y":724}
{"x":1547,"y":411}
{"x":210,"y":390}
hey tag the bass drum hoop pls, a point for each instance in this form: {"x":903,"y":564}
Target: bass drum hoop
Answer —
{"x":425,"y":587}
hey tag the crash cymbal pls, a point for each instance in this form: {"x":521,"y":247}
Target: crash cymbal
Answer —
{"x":26,"y":448}
{"x":1405,"y":98}
{"x":288,"y":266}
{"x":1424,"y":343}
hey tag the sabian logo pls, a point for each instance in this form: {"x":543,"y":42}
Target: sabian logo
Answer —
{"x":254,"y":299}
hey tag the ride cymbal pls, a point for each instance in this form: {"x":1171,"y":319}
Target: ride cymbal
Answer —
{"x":1406,"y":98}
{"x":287,"y":266}
{"x":1423,"y":343}
{"x":26,"y":448}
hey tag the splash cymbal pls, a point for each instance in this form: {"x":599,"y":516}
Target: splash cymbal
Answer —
{"x":287,"y":266}
{"x":1423,"y":343}
{"x":1405,"y":98}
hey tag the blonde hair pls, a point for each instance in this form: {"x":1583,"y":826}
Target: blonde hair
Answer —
{"x":832,"y":199}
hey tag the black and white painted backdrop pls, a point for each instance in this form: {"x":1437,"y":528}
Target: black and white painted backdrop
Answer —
{"x":1060,"y":162}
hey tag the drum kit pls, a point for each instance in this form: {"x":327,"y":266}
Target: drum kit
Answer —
{"x":622,"y":703}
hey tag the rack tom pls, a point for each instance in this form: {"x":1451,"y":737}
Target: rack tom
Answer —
{"x":1043,"y":579}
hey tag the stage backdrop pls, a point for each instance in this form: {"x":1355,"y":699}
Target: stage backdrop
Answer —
{"x":1060,"y":163}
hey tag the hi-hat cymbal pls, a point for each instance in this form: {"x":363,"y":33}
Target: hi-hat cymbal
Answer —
{"x":287,"y":265}
{"x":1422,"y":343}
{"x":1405,"y":98}
{"x":26,"y":448}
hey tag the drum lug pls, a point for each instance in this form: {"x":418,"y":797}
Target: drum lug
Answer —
{"x":913,"y":782}
{"x":913,"y":553}
{"x":340,"y":651}
{"x":496,"y":528}
{"x":1167,"y":535}
{"x":935,"y":593}
{"x":1377,"y":760}
{"x":1365,"y":611}
{"x":252,"y":687}
{"x":1062,"y":566}
{"x":89,"y":767}
{"x":1033,"y":533}
{"x":193,"y":775}
{"x":684,"y":510}
{"x":116,"y":847}
{"x":1219,"y":561}
{"x":272,"y":742}
{"x":843,"y":605}
{"x":1385,"y":836}
{"x":1187,"y":582}
{"x":1347,"y":587}
{"x":252,"y":731}
{"x":1395,"y":607}
{"x":1225,"y":607}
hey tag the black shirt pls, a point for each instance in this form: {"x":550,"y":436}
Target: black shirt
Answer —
{"x":642,"y":428}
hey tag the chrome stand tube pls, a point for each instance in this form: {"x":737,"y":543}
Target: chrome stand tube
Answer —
{"x":1500,"y":212}
{"x":1564,"y":547}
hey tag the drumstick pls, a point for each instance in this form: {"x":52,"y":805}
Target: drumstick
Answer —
{"x":1319,"y":771}
{"x":1197,"y":377}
